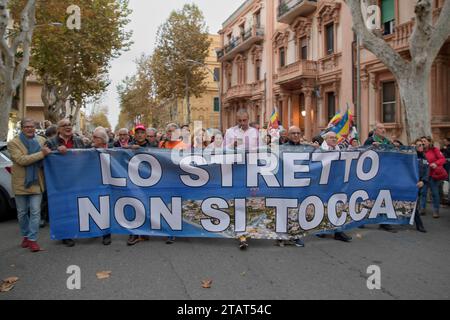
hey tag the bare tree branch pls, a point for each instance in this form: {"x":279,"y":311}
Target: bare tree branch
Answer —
{"x":421,"y":35}
{"x":441,"y":32}
{"x":375,"y":44}
{"x":27,"y":23}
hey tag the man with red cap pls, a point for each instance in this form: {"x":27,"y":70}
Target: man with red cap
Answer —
{"x":140,"y":138}
{"x":139,"y":141}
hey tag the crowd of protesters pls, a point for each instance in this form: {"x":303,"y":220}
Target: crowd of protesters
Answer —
{"x":29,"y":149}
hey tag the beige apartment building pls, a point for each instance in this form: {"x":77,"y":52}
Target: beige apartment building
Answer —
{"x":205,"y":108}
{"x":300,"y":56}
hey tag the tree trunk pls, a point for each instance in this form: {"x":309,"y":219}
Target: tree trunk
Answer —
{"x":5,"y":103}
{"x":414,"y":93}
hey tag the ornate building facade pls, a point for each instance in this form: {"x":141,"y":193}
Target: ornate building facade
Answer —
{"x":300,"y":56}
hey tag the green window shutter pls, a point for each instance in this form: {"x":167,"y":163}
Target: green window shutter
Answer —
{"x":216,"y":105}
{"x":387,"y":10}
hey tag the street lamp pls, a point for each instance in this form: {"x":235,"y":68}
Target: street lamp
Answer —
{"x":218,"y":87}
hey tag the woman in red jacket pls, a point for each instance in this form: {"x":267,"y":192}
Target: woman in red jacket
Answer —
{"x":436,"y":163}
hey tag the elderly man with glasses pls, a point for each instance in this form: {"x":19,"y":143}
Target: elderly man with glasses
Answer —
{"x":100,"y":140}
{"x":331,"y":144}
{"x":124,"y":139}
{"x":62,"y":142}
{"x":27,"y":152}
{"x":152,"y":137}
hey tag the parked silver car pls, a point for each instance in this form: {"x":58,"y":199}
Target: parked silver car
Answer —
{"x":6,"y":194}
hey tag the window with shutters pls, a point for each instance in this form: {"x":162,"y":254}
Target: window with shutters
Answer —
{"x":389,"y":102}
{"x":388,"y":16}
{"x":329,"y":34}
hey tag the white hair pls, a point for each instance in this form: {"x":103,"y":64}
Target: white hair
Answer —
{"x":242,"y":112}
{"x":101,"y":132}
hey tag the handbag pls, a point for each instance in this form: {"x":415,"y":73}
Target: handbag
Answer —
{"x":439,"y":173}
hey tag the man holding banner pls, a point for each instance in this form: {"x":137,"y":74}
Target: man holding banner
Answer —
{"x":330,"y":144}
{"x":65,"y":140}
{"x":377,"y":139}
{"x":242,"y":136}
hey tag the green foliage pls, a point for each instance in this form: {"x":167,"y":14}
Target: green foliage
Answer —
{"x":136,"y":94}
{"x":100,"y":120}
{"x":184,"y":36}
{"x":76,"y":62}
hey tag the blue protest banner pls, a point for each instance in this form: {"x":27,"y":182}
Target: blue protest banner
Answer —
{"x":265,"y":196}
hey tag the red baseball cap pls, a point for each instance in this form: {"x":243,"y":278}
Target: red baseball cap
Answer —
{"x":139,"y":127}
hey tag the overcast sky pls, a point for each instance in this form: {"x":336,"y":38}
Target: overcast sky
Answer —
{"x":147,"y":16}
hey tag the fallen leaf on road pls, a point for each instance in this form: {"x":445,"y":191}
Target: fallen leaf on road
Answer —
{"x":103,"y":274}
{"x":359,"y":236}
{"x":243,"y":273}
{"x":206,"y":284}
{"x":8,"y":283}
{"x":11,"y":280}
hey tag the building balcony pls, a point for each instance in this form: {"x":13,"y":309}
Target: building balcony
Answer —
{"x":289,"y":10}
{"x":402,"y":35}
{"x":296,"y":71}
{"x":242,"y":43}
{"x":244,"y":91}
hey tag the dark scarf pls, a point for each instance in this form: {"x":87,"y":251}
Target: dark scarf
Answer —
{"x":32,"y":171}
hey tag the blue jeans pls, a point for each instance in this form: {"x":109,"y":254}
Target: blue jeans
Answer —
{"x":434,"y":186}
{"x":29,"y":214}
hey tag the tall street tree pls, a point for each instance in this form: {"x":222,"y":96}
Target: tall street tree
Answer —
{"x":15,"y":48}
{"x":138,"y":101}
{"x":412,"y":74}
{"x":182,"y":38}
{"x":75,"y":63}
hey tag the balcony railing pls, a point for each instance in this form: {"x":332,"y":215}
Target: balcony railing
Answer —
{"x":243,"y":90}
{"x":242,"y":43}
{"x":402,"y":34}
{"x":288,"y":10}
{"x":297,"y":70}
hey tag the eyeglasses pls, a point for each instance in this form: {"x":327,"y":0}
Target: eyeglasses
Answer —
{"x":97,"y":137}
{"x":67,"y":125}
{"x":419,"y":145}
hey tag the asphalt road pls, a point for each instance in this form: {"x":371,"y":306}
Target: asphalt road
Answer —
{"x":413,"y":266}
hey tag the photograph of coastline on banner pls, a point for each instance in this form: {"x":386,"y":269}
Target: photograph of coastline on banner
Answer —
{"x":258,"y":195}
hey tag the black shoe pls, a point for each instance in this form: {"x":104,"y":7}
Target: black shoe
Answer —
{"x":68,"y":242}
{"x":107,"y":240}
{"x":42,"y":223}
{"x":299,"y":243}
{"x":340,"y":236}
{"x":170,"y":240}
{"x":388,"y":228}
{"x":132,"y":240}
{"x":421,"y":229}
{"x":243,"y":245}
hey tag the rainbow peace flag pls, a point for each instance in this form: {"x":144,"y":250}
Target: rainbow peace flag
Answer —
{"x":275,"y":119}
{"x":341,"y":124}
